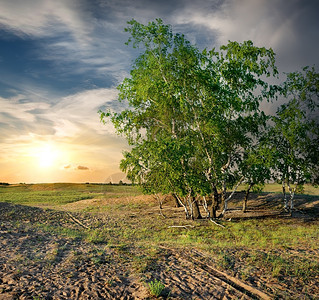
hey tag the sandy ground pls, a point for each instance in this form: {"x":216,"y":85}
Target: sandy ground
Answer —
{"x":35,"y":264}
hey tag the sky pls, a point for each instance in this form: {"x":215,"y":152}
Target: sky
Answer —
{"x":61,"y":60}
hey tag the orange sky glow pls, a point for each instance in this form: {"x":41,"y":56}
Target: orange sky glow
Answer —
{"x":61,"y":61}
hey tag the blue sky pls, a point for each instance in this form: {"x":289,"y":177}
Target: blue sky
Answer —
{"x":61,"y":60}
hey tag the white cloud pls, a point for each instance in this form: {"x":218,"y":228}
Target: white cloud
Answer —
{"x":75,"y":35}
{"x":15,"y":108}
{"x":80,"y":111}
{"x":269,"y":23}
{"x":68,"y":117}
{"x":44,"y":17}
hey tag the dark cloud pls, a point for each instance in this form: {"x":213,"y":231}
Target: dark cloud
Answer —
{"x":297,"y":43}
{"x":82,"y":168}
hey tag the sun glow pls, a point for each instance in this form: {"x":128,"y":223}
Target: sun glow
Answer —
{"x":47,"y":156}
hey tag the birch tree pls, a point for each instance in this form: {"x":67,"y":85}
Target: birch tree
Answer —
{"x":255,"y":169}
{"x":294,"y":134}
{"x":191,"y":114}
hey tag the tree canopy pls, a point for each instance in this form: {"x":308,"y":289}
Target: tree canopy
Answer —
{"x":193,"y":120}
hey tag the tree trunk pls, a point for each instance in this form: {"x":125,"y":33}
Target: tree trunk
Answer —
{"x":223,"y":197}
{"x":177,"y":203}
{"x":215,"y":203}
{"x":292,"y":195}
{"x":205,"y":206}
{"x":184,"y":205}
{"x":246,"y":198}
{"x":284,"y":194}
{"x":160,"y":204}
{"x":230,"y":196}
{"x":189,"y":200}
{"x":196,"y":212}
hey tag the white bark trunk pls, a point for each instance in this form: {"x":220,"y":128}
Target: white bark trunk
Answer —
{"x":183,"y":205}
{"x":160,"y":203}
{"x":190,"y":205}
{"x":284,"y":193}
{"x":206,"y":207}
{"x":292,"y":195}
{"x":231,"y":195}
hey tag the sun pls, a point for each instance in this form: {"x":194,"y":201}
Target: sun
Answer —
{"x":47,"y":156}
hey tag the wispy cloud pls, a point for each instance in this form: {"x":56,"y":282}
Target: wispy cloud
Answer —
{"x":90,"y":34}
{"x":45,"y":18}
{"x":79,"y":111}
{"x":19,"y":108}
{"x":69,"y":35}
{"x":66,"y":116}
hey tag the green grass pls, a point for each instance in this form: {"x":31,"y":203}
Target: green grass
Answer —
{"x":63,"y":231}
{"x":44,"y":197}
{"x":61,"y":193}
{"x":156,"y":288}
{"x":262,"y":244}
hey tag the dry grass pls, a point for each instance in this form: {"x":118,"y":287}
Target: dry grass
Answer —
{"x":278,"y":254}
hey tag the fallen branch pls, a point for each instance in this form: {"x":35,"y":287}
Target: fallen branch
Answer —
{"x":217,"y":223}
{"x":77,"y":221}
{"x":160,"y":213}
{"x":181,"y":226}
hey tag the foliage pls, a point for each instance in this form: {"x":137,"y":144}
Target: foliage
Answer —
{"x":194,"y":123}
{"x":192,"y":115}
{"x":294,"y":135}
{"x":156,"y":287}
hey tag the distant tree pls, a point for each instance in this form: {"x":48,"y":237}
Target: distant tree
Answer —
{"x":294,"y":136}
{"x":256,"y":170}
{"x":303,"y":86}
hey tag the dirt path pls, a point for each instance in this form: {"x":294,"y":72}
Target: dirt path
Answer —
{"x":38,"y":264}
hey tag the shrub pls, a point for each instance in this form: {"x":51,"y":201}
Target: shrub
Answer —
{"x":156,"y":288}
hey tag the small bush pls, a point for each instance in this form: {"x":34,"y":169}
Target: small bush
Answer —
{"x":226,"y":261}
{"x":97,"y":236}
{"x":156,"y":288}
{"x":300,"y":189}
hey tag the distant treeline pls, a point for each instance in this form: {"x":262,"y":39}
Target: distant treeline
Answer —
{"x":93,"y":183}
{"x":111,"y":183}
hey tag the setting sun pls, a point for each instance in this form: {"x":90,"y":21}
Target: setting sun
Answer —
{"x":47,"y":156}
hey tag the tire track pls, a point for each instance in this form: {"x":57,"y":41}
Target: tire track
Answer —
{"x":235,"y":283}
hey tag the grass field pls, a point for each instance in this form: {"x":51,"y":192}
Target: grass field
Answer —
{"x":52,"y":194}
{"x":279,"y":255}
{"x":277,"y":188}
